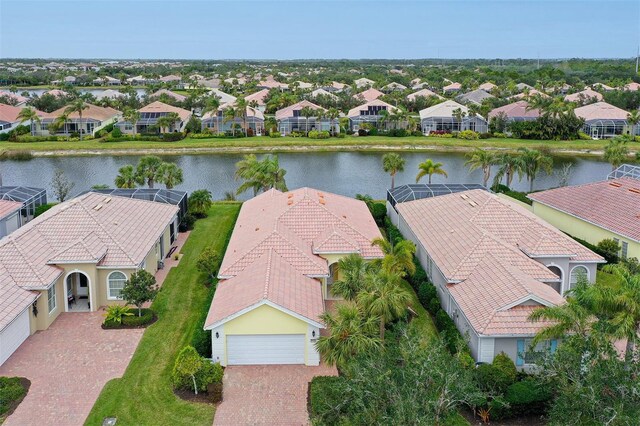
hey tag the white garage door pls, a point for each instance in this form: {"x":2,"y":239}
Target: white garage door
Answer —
{"x":265,"y":349}
{"x":13,"y":335}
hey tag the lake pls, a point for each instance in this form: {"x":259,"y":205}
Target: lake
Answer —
{"x":346,"y":173}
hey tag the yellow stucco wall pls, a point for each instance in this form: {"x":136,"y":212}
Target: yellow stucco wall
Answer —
{"x":265,"y":320}
{"x":581,"y":229}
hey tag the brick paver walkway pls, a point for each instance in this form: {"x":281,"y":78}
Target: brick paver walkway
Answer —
{"x":68,"y":364}
{"x":267,"y":394}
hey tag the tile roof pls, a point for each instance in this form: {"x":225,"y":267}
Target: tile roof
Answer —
{"x":259,"y":97}
{"x":178,"y":97}
{"x":355,"y":112}
{"x":9,"y":113}
{"x":13,"y":299}
{"x":287,"y":112}
{"x":475,"y":96}
{"x":601,"y":111}
{"x":611,"y":204}
{"x":425,"y":93}
{"x":93,"y":111}
{"x":487,"y":86}
{"x":485,"y":247}
{"x":444,"y":109}
{"x":516,"y":109}
{"x":7,"y":207}
{"x":584,"y":95}
{"x":269,"y":278}
{"x":369,"y":94}
{"x":158,"y":106}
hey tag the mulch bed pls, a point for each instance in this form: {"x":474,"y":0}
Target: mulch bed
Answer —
{"x":212,"y":396}
{"x":124,"y":327}
{"x":517,"y":421}
{"x":26,"y":384}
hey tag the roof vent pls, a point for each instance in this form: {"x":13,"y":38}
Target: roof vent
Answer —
{"x":97,"y":207}
{"x":472,"y":203}
{"x":106,"y":200}
{"x":634,"y":190}
{"x":322,"y":201}
{"x":289,"y":202}
{"x":290,"y":196}
{"x":616,"y":184}
{"x":464,"y":196}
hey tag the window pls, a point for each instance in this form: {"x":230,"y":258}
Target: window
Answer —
{"x":576,"y":273}
{"x":51,"y":298}
{"x":531,"y":355}
{"x":115,"y":284}
{"x":625,"y":249}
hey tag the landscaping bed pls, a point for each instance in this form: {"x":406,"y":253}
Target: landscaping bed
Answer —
{"x":12,"y":392}
{"x":212,"y":395}
{"x":147,"y":318}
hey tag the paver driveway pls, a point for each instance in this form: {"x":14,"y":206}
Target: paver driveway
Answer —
{"x":68,"y":364}
{"x":267,"y":394}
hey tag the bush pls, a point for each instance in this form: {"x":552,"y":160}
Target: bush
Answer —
{"x":43,"y":208}
{"x":190,"y":367}
{"x":208,"y":374}
{"x":314,"y":134}
{"x":506,"y":365}
{"x":468,"y":135}
{"x":373,"y":132}
{"x":341,"y":135}
{"x":134,"y":321}
{"x":201,"y":339}
{"x":434,"y":306}
{"x":274,"y":134}
{"x":583,"y":136}
{"x":499,"y":135}
{"x":527,"y":397}
{"x":426,"y":293}
{"x":187,"y":223}
{"x":172,"y":137}
{"x":10,"y":390}
{"x":116,"y":132}
{"x":326,"y":398}
{"x":609,"y":249}
{"x":379,"y":212}
{"x":393,"y":233}
{"x":492,"y":379}
{"x":116,"y":313}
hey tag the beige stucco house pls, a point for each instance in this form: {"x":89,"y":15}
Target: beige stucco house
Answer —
{"x":76,"y":257}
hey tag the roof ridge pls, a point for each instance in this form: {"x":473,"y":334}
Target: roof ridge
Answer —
{"x":265,"y":294}
{"x":27,"y":261}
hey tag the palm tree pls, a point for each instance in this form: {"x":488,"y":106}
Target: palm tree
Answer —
{"x":273,"y":174}
{"x":398,"y":258}
{"x":616,"y":152}
{"x":246,"y":170}
{"x":633,"y":118}
{"x":532,"y":161}
{"x":428,"y":167}
{"x":77,"y":106}
{"x":350,"y":333}
{"x":200,"y":202}
{"x":332,"y":115}
{"x":260,"y":175}
{"x":622,"y":306}
{"x":230,"y":114}
{"x":458,"y":114}
{"x":211,"y":106}
{"x":481,"y":159}
{"x":384,"y":298}
{"x":58,"y":123}
{"x":126,"y":177}
{"x":29,"y":114}
{"x":393,"y":163}
{"x":307,"y":112}
{"x":509,"y":165}
{"x":383,"y":118}
{"x":170,"y":175}
{"x":132,"y":116}
{"x":353,"y":269}
{"x":241,"y":107}
{"x":149,"y":169}
{"x":167,"y":121}
{"x":577,"y":316}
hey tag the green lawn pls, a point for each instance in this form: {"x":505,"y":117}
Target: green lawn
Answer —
{"x":144,"y":396}
{"x":423,"y":321}
{"x":374,"y":143}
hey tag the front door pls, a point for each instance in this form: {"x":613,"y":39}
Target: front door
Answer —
{"x":82,"y":289}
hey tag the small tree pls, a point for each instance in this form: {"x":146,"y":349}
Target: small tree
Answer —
{"x":61,"y":185}
{"x":140,"y":288}
{"x":200,"y":202}
{"x":187,"y":365}
{"x":208,"y":262}
{"x":609,"y":249}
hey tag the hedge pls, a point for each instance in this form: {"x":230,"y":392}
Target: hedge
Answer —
{"x":201,"y":339}
{"x":134,"y":320}
{"x":326,"y":399}
{"x":11,"y":390}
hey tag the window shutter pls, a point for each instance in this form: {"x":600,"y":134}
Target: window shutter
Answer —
{"x":553,"y":345}
{"x":520,"y":354}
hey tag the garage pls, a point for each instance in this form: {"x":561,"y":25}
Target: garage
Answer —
{"x":265,"y":349}
{"x":13,"y":335}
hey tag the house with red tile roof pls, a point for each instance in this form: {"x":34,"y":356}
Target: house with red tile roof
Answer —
{"x":93,"y":118}
{"x":221,"y":122}
{"x":368,"y":95}
{"x":493,"y":263}
{"x":516,"y":111}
{"x":375,"y":113}
{"x":603,"y":120}
{"x":291,"y":119}
{"x":149,"y":116}
{"x":9,"y":117}
{"x":76,"y":257}
{"x":260,"y":99}
{"x":10,"y":217}
{"x":608,"y":209}
{"x":584,"y":96}
{"x":277,"y":273}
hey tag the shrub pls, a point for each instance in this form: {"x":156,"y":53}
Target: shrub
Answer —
{"x":609,"y":249}
{"x":373,"y":132}
{"x":393,"y":233}
{"x":187,"y":365}
{"x":274,"y":134}
{"x":314,"y":134}
{"x":527,"y":397}
{"x":499,"y":135}
{"x":139,"y":289}
{"x":116,"y":132}
{"x":187,"y":222}
{"x":172,"y":137}
{"x":209,"y":373}
{"x":506,"y":365}
{"x":426,"y":293}
{"x":10,"y":390}
{"x":43,"y":208}
{"x":583,"y":136}
{"x":201,"y":339}
{"x":499,"y":408}
{"x":326,"y":398}
{"x":468,"y":134}
{"x":434,"y":306}
{"x":484,"y":135}
{"x":492,"y":379}
{"x":146,"y":316}
{"x":208,"y":262}
{"x":115,"y":313}
{"x":379,"y":212}
{"x":341,"y":135}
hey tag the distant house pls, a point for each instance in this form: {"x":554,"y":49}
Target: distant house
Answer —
{"x":425,"y":93}
{"x":13,"y":98}
{"x":631,"y":87}
{"x":165,"y":92}
{"x":290,"y":119}
{"x":516,"y":111}
{"x":30,"y":198}
{"x":603,"y":120}
{"x":337,"y":87}
{"x":368,"y":95}
{"x":474,"y":97}
{"x":487,"y":87}
{"x":109,"y":94}
{"x":322,"y":92}
{"x":418,"y":86}
{"x":107,"y":81}
{"x":217,"y":122}
{"x":363,"y":82}
{"x":260,"y":98}
{"x":603,"y":87}
{"x":528,"y":93}
{"x":303,"y":85}
{"x":442,"y":117}
{"x":584,"y":96}
{"x":10,"y":218}
{"x":394,"y":87}
{"x":370,"y":112}
{"x":225,"y":98}
{"x":9,"y":117}
{"x":452,"y":88}
{"x":94,"y":118}
{"x":523,"y":87}
{"x":270,"y":83}
{"x":57,"y":93}
{"x":596,"y":211}
{"x":149,"y":116}
{"x":492,"y":263}
{"x":79,"y":254}
{"x":170,"y":79}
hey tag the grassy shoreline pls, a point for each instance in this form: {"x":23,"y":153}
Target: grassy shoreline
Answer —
{"x":288,"y":144}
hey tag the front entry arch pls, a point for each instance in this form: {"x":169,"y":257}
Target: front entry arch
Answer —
{"x":77,"y":290}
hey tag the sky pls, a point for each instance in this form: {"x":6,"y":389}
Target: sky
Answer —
{"x":321,"y":29}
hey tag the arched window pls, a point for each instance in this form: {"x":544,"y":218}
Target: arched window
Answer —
{"x":557,"y":286}
{"x":576,"y":273}
{"x":115,"y":284}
